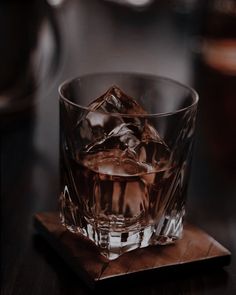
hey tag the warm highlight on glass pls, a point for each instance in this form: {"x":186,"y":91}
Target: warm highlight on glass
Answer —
{"x":125,"y":151}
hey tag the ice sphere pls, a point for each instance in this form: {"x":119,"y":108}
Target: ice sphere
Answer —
{"x":134,"y":135}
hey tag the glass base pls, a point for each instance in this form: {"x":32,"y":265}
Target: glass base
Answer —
{"x":112,"y":244}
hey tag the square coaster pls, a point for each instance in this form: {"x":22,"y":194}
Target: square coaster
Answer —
{"x":196,"y":249}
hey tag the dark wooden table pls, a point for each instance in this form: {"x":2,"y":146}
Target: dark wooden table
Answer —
{"x":79,"y":37}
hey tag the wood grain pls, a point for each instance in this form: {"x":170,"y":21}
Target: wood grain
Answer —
{"x":196,"y":247}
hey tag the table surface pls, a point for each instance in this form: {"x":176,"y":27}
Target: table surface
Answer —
{"x":79,"y":37}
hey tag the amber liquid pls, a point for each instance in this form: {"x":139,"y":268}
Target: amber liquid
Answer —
{"x":103,"y":193}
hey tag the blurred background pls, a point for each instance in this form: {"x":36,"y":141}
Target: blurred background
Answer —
{"x":45,"y":42}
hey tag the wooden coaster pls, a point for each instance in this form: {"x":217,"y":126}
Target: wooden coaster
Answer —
{"x":195,"y":249}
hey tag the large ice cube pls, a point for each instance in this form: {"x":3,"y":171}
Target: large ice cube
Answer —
{"x":116,"y":101}
{"x":135,"y":135}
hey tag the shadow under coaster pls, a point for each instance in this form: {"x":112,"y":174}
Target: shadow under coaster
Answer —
{"x":195,"y":250}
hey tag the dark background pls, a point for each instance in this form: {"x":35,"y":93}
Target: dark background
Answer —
{"x":42,"y":45}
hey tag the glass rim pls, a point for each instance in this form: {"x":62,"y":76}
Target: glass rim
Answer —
{"x":192,"y":92}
